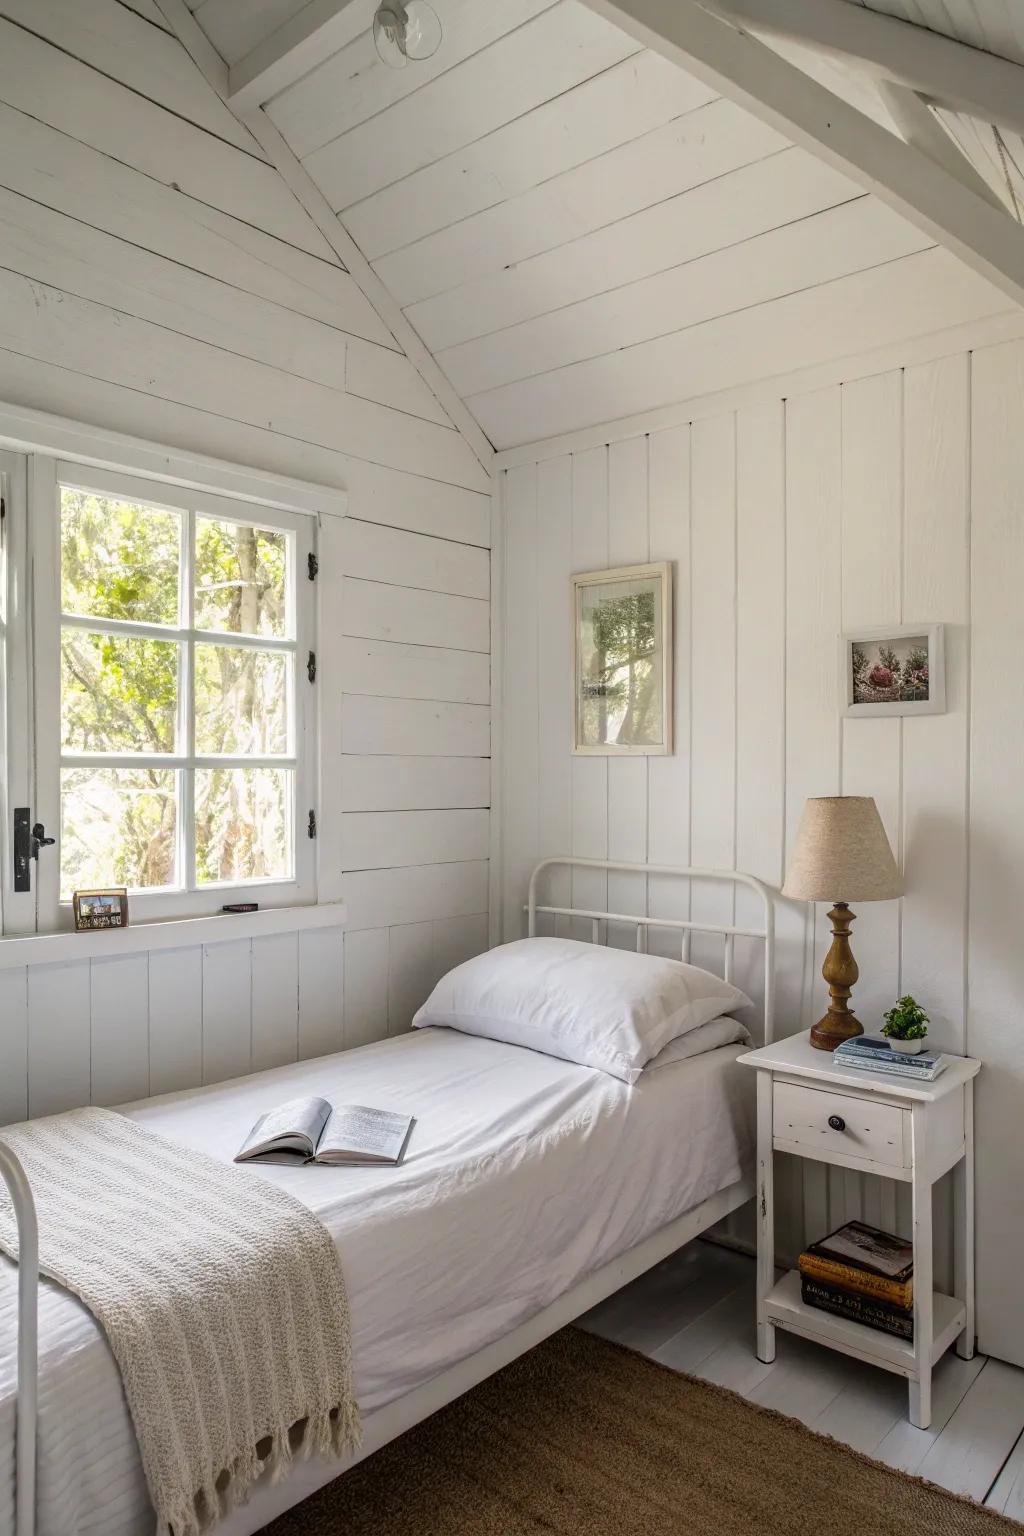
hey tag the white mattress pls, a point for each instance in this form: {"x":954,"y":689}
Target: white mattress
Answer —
{"x":523,"y":1174}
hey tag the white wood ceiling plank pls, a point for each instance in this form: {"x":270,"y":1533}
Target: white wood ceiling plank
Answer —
{"x":694,"y":149}
{"x":58,"y":172}
{"x":120,"y":45}
{"x":320,"y":29}
{"x":546,"y":57}
{"x":355,"y":84}
{"x":234,"y":27}
{"x":611,"y":109}
{"x":148,"y":10}
{"x":729,"y":58}
{"x":48,"y":324}
{"x":911,"y":297}
{"x":47,"y":84}
{"x":787,"y":186}
{"x":928,"y":59}
{"x":48,"y":247}
{"x":818,"y":249}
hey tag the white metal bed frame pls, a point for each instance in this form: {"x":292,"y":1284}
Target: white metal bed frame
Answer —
{"x":272,"y":1500}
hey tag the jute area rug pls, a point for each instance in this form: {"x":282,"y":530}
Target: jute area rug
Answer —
{"x":582,"y":1436}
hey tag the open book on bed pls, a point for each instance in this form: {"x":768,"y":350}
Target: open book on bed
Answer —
{"x":314,"y":1131}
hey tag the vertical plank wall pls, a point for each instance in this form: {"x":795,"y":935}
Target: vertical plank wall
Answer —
{"x":106,"y":1031}
{"x":871,"y":502}
{"x":158,"y":278}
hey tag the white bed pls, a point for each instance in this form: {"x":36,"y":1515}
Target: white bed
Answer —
{"x":532,"y":1187}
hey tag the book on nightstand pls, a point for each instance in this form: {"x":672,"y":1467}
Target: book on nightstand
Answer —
{"x":865,"y":1264}
{"x":873,"y":1053}
{"x":858,"y":1308}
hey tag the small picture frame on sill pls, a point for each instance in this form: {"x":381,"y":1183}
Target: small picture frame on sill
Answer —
{"x":96,"y":911}
{"x":622,"y":661}
{"x":893,"y":669}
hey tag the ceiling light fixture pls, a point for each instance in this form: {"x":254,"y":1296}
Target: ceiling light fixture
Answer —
{"x":404,"y":31}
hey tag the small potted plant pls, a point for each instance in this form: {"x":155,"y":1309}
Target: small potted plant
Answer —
{"x":906,"y":1026}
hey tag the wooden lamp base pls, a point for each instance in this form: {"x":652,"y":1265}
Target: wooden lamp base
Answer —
{"x":840,"y":971}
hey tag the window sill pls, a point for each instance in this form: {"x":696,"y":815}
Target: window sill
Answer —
{"x":170,"y":933}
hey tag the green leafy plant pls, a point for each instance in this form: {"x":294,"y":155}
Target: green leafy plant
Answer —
{"x":906,"y":1021}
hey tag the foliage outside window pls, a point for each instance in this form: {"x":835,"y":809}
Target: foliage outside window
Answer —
{"x":178,"y":729}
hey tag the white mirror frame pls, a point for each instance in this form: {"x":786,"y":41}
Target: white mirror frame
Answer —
{"x":660,"y":571}
{"x":935,"y":704}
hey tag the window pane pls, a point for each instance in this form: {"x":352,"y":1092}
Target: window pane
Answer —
{"x":117,"y":695}
{"x":242,"y":824}
{"x":241,"y":700}
{"x":118,"y":827}
{"x":241,"y":578}
{"x":118,"y":559}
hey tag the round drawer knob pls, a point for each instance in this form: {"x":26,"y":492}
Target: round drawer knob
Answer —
{"x":837,"y":1122}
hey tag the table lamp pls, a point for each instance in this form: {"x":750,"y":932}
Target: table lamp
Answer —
{"x":841,"y":854}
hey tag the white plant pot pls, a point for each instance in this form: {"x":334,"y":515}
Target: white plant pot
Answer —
{"x":907,"y":1047}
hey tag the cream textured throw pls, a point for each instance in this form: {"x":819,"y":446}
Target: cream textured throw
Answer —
{"x":220,"y":1295}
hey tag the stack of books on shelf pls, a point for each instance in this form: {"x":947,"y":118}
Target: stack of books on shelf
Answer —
{"x":873,"y":1053}
{"x":863,"y":1274}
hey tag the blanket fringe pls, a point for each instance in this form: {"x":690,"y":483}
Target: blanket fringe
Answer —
{"x":330,"y":1433}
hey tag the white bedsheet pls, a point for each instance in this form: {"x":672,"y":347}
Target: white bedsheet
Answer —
{"x":522,"y":1175}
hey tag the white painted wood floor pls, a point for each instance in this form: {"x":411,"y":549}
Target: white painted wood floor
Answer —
{"x":695,"y":1313}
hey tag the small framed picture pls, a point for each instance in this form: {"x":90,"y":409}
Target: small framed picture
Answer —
{"x":622,"y":660}
{"x":898,"y":669}
{"x":100,"y":909}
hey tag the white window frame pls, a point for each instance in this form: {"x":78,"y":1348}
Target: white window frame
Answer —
{"x":17,"y":911}
{"x":47,"y":475}
{"x":31,"y":444}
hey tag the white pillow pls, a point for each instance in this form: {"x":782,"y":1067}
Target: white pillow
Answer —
{"x":707,"y":1038}
{"x":606,"y":1008}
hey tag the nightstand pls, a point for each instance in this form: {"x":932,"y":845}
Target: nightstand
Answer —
{"x":872,"y":1123}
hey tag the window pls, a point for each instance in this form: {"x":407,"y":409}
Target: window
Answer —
{"x":174,"y":701}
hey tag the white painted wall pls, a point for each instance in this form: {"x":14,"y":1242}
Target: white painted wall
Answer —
{"x":197,"y":1007}
{"x":896,"y":496}
{"x":158,"y":278}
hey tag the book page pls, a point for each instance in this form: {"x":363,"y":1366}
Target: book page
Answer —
{"x":356,"y":1133}
{"x":293,"y":1128}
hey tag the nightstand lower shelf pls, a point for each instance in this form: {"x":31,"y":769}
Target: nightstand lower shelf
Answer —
{"x":786,"y":1309}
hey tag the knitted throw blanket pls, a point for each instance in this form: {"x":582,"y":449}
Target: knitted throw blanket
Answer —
{"x":220,"y":1296}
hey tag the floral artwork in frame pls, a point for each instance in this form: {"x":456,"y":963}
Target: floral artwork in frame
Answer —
{"x":898,"y":669}
{"x":622,"y":660}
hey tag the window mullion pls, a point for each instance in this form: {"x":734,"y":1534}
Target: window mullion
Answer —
{"x":187,"y":775}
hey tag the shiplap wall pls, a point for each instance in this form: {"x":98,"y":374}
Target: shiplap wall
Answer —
{"x":105,"y":1031}
{"x":157,"y":277}
{"x":895,"y":497}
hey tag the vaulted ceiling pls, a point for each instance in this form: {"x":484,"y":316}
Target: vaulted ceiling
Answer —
{"x":579,"y":230}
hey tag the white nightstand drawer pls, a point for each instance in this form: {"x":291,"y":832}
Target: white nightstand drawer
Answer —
{"x":820,"y":1123}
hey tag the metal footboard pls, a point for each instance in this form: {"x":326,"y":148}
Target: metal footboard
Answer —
{"x":28,"y":1341}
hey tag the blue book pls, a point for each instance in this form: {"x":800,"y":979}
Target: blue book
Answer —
{"x":873,"y":1053}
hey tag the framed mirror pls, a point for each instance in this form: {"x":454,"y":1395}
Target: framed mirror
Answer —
{"x":622,"y":660}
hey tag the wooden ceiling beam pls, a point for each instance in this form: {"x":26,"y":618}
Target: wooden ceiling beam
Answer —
{"x":736,"y":65}
{"x":316,"y":32}
{"x":948,"y":73}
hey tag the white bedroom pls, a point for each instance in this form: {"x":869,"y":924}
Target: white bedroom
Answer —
{"x":511,"y":531}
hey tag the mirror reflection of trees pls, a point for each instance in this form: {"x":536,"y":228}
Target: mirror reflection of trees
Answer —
{"x":121,"y":694}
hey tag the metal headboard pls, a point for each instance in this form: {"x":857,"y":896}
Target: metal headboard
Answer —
{"x":685,"y":926}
